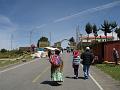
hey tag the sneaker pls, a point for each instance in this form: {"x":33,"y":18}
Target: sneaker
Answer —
{"x":76,"y":77}
{"x":85,"y":77}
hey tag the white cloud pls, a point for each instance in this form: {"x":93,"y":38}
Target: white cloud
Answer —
{"x":5,"y":41}
{"x":91,"y":10}
{"x":7,"y":27}
{"x":6,"y":24}
{"x":41,"y":26}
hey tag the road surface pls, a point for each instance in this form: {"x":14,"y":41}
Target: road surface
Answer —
{"x":35,"y":75}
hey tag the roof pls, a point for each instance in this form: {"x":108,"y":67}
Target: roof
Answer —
{"x":92,"y":37}
{"x":51,"y":48}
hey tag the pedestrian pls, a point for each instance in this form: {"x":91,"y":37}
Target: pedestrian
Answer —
{"x":56,"y":67}
{"x":49,"y":53}
{"x":115,"y":56}
{"x":76,"y":62}
{"x":87,"y":59}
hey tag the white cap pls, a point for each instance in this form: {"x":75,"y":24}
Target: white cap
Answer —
{"x":87,"y":48}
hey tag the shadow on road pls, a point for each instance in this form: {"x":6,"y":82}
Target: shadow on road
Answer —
{"x":74,"y":77}
{"x":51,"y":83}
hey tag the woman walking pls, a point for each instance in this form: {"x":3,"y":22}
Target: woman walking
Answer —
{"x":56,"y":67}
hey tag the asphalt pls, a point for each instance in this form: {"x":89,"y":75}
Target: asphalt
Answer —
{"x":35,"y":75}
{"x":105,"y":80}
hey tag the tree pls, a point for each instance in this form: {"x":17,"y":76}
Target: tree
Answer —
{"x":43,"y":42}
{"x":117,"y":30}
{"x":113,"y":26}
{"x":72,"y":43}
{"x":71,"y":39}
{"x":3,"y":50}
{"x":106,"y":28}
{"x":95,"y":30}
{"x":43,"y":39}
{"x":88,"y":29}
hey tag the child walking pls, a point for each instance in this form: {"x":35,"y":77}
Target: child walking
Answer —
{"x":76,"y":62}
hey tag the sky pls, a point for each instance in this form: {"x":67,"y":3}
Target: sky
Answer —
{"x":56,"y":17}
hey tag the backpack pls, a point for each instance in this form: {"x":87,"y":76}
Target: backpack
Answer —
{"x":55,"y":60}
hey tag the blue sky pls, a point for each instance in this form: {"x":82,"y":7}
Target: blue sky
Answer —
{"x":60,"y":17}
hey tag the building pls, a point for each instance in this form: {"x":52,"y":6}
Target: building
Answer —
{"x":104,"y":50}
{"x":98,"y":38}
{"x":24,"y":49}
{"x":43,"y":44}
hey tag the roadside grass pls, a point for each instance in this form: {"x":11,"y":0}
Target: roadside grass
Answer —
{"x":110,"y":69}
{"x":7,"y":62}
{"x":10,"y":62}
{"x":9,"y":55}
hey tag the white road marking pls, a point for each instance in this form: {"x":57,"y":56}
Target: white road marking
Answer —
{"x":100,"y":87}
{"x":38,"y":77}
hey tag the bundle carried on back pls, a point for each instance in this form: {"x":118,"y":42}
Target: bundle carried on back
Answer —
{"x":55,"y":60}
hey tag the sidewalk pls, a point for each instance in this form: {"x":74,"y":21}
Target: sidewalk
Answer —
{"x":107,"y":82}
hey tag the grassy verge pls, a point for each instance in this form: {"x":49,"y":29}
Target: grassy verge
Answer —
{"x":4,"y":63}
{"x":112,"y":70}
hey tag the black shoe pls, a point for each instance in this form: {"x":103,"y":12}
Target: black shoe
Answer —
{"x":85,"y":77}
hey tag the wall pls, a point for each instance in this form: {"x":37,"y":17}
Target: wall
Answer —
{"x":108,"y":49}
{"x":104,"y":50}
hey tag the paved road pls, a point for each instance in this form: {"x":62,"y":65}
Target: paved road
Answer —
{"x":35,"y":75}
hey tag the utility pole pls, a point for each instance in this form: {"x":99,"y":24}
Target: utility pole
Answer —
{"x":11,"y":41}
{"x":31,"y":37}
{"x":50,"y":38}
{"x":77,"y":35}
{"x":80,"y":40}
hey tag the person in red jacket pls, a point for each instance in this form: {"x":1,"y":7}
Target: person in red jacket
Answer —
{"x":76,"y":62}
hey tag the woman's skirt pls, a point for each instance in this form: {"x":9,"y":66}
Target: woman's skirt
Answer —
{"x":56,"y":74}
